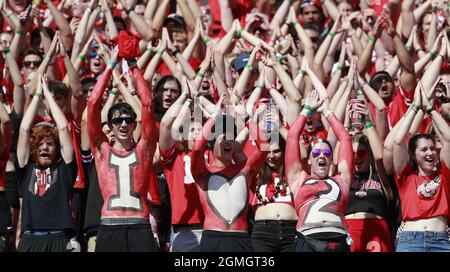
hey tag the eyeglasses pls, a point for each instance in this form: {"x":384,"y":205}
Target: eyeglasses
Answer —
{"x":119,"y":120}
{"x":361,"y":153}
{"x":326,"y":152}
{"x":28,"y":63}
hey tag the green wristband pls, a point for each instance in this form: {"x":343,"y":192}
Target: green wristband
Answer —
{"x":279,"y":57}
{"x":369,"y":125}
{"x":302,"y":71}
{"x":18,"y":32}
{"x":307,"y":112}
{"x":259,"y":85}
{"x":408,"y":47}
{"x":415,"y":107}
{"x":150,"y":50}
{"x":206,"y":40}
{"x":160,"y":52}
{"x":339,"y":67}
{"x":239,"y":32}
{"x":372,"y":39}
{"x":47,"y":58}
{"x":36,"y":3}
{"x":113,"y":91}
{"x":81,"y":57}
{"x":248,"y":66}
{"x":6,"y":50}
{"x":346,"y":80}
{"x":331,"y":34}
{"x":200,"y":75}
{"x":38,"y":95}
{"x":308,"y":107}
{"x":112,"y":63}
{"x":432,"y":54}
{"x":295,"y":24}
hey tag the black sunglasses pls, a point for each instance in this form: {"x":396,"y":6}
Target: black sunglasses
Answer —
{"x":119,"y":120}
{"x":28,"y":63}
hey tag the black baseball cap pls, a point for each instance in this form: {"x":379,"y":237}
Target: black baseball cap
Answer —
{"x":176,"y":19}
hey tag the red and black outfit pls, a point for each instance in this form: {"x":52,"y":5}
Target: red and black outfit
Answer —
{"x":224,"y":193}
{"x":273,"y":235}
{"x":320,"y":203}
{"x":124,"y":176}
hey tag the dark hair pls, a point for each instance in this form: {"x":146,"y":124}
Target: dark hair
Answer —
{"x":159,"y":86}
{"x":223,"y":125}
{"x":362,"y":139}
{"x":265,"y":173}
{"x":318,"y":141}
{"x":35,"y":37}
{"x":31,"y":51}
{"x":87,"y":82}
{"x":58,"y":88}
{"x":40,"y":132}
{"x":412,"y":146}
{"x":121,"y":108}
{"x":118,"y":19}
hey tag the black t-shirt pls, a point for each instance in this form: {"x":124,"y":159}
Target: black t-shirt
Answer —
{"x":94,"y":202}
{"x":367,"y":195}
{"x":47,"y":194}
{"x":15,"y":125}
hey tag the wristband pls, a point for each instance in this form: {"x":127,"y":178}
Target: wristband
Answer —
{"x":200,"y":75}
{"x":18,"y":32}
{"x":358,"y":92}
{"x":160,"y":52}
{"x":248,"y":66}
{"x":371,"y":39}
{"x":206,"y":40}
{"x":6,"y":50}
{"x":326,"y":113}
{"x":38,"y":95}
{"x":302,"y":71}
{"x":89,"y":8}
{"x":150,"y":50}
{"x":113,"y":91}
{"x":81,"y":57}
{"x":36,"y":3}
{"x":47,"y":58}
{"x":339,"y":67}
{"x":408,"y":47}
{"x":186,"y":93}
{"x":415,"y":107}
{"x":295,"y":24}
{"x":369,"y":125}
{"x":432,"y":54}
{"x":290,"y":2}
{"x":308,"y":107}
{"x":306,"y":112}
{"x":331,"y":34}
{"x":279,"y":57}
{"x":429,"y":111}
{"x":112,"y":63}
{"x":346,"y":80}
{"x":259,"y":85}
{"x":238,"y":33}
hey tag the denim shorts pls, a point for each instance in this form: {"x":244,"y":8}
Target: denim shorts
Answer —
{"x":423,"y":241}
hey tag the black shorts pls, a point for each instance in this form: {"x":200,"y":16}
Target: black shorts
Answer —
{"x":12,"y":189}
{"x":126,"y":238}
{"x":222,"y":241}
{"x":321,"y":242}
{"x":5,"y":214}
{"x":57,"y":242}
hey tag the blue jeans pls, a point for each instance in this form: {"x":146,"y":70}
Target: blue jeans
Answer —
{"x":423,"y":241}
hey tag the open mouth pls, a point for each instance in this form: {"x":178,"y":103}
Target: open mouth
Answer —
{"x":44,"y":155}
{"x":429,"y":160}
{"x":322,"y":164}
{"x":309,"y":122}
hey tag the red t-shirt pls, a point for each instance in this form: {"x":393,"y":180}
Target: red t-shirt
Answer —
{"x":424,"y":197}
{"x":184,"y":199}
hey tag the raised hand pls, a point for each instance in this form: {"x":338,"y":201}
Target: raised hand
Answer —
{"x":313,"y":100}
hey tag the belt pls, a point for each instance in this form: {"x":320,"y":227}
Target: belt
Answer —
{"x":124,"y":221}
{"x":42,"y":233}
{"x":180,"y":227}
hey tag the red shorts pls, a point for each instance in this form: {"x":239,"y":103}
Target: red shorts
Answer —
{"x":369,"y":235}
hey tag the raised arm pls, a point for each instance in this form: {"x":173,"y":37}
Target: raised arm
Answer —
{"x":19,"y":91}
{"x":65,"y":136}
{"x":96,"y":136}
{"x":62,"y":24}
{"x":5,"y":130}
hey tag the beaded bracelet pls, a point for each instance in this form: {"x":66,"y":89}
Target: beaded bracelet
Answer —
{"x":369,"y":125}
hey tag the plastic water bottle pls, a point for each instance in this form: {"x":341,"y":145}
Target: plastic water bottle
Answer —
{"x":270,"y":126}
